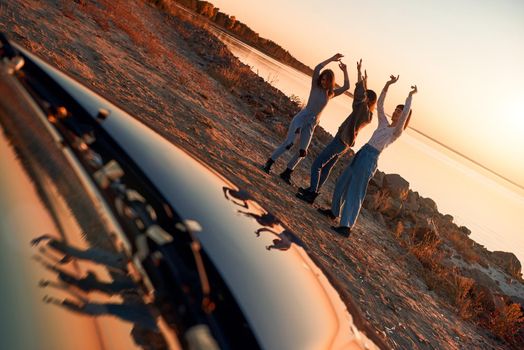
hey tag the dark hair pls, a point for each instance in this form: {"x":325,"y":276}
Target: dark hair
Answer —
{"x":372,"y":96}
{"x":409,"y":116}
{"x":331,"y":80}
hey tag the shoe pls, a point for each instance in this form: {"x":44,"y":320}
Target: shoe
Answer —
{"x":342,"y":230}
{"x":303,"y":189}
{"x":307,"y":196}
{"x":267,"y":167}
{"x":286,"y":176}
{"x":327,"y":212}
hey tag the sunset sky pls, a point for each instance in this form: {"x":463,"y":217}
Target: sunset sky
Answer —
{"x":467,"y":58}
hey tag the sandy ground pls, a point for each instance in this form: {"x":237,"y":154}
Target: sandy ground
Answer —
{"x":170,"y":91}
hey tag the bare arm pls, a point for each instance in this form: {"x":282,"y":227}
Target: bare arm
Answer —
{"x":359,"y":95}
{"x":318,"y":68}
{"x":405,"y":112}
{"x":344,"y":87}
{"x":382,"y":120}
{"x":359,"y":67}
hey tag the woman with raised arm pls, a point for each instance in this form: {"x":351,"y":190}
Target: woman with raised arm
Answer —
{"x":352,"y":184}
{"x":304,"y":122}
{"x":364,"y":102}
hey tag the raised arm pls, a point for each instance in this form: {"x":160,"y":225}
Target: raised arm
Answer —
{"x":359,"y":95}
{"x":382,"y":120}
{"x":318,"y":68}
{"x":344,"y":87}
{"x":404,"y":117}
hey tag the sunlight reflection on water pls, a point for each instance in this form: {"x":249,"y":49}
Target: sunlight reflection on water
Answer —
{"x":476,"y":199}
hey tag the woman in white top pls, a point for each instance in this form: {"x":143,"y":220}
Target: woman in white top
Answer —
{"x":351,"y":186}
{"x":304,"y":122}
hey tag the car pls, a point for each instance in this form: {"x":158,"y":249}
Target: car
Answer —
{"x":209,"y":268}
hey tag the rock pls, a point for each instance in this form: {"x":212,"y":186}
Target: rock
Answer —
{"x":396,"y":186}
{"x":428,"y":205}
{"x":413,"y":195}
{"x":424,"y":232}
{"x":377,"y":179}
{"x":465,"y":230}
{"x":379,"y":219}
{"x":372,"y":200}
{"x":509,"y":262}
{"x":390,"y":207}
{"x":411,"y":204}
{"x":445,"y":224}
{"x":482,"y":278}
{"x":518,"y":300}
{"x":485,"y":301}
{"x":448,"y":218}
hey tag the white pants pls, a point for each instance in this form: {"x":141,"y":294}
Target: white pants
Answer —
{"x":297,"y":131}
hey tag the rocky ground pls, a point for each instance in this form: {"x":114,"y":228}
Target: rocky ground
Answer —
{"x":416,"y":277}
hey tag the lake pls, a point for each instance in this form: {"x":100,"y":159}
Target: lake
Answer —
{"x":492,"y":208}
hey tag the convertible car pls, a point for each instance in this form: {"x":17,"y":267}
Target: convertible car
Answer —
{"x":114,"y":238}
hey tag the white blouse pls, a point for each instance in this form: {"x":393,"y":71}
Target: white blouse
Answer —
{"x":385,"y":134}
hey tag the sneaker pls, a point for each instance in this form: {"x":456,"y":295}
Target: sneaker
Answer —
{"x":304,"y":189}
{"x":342,"y":230}
{"x":327,"y":212}
{"x":267,"y":167}
{"x":286,"y":176}
{"x":307,"y":196}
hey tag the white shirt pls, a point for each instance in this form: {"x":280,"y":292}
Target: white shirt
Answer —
{"x":385,"y":134}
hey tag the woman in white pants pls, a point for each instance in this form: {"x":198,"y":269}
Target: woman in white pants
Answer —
{"x":304,"y":122}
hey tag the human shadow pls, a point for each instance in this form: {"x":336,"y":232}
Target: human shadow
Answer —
{"x":88,"y":283}
{"x":283,"y":241}
{"x":262,"y":218}
{"x":97,"y":255}
{"x":133,"y":309}
{"x":239,"y":197}
{"x":140,"y":314}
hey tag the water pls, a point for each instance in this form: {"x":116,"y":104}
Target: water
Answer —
{"x":490,"y":207}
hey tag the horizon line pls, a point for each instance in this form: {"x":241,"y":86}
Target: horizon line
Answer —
{"x":467,"y":158}
{"x":521,"y":187}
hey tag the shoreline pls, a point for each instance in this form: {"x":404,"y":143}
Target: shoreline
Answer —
{"x":203,"y":99}
{"x":483,"y":230}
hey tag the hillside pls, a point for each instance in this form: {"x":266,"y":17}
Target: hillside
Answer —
{"x":418,"y":278}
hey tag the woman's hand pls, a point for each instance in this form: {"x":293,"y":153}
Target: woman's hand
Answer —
{"x":393,"y":79}
{"x":342,"y":66}
{"x":359,"y":66}
{"x":413,"y":91}
{"x":337,"y":57}
{"x":365,"y":79}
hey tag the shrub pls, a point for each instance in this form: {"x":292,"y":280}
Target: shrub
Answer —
{"x":227,"y":77}
{"x":507,"y":322}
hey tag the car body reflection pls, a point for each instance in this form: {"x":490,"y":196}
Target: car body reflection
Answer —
{"x":202,"y":254}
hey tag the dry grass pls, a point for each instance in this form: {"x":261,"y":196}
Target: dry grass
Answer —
{"x":508,"y":323}
{"x":296,"y":99}
{"x":170,"y":7}
{"x":464,"y":246}
{"x":461,"y":293}
{"x":426,"y":251}
{"x":225,"y":76}
{"x":119,"y":14}
{"x":471,"y":301}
